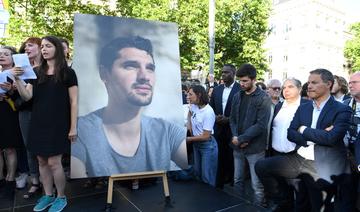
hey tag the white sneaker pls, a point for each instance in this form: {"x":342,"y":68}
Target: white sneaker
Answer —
{"x":21,"y":181}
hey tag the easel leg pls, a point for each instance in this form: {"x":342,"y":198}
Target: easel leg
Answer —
{"x":166,"y":187}
{"x":108,"y":206}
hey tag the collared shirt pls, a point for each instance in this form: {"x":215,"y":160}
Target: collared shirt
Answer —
{"x":308,"y":152}
{"x":225,"y":95}
{"x":280,"y":125}
{"x":341,"y":99}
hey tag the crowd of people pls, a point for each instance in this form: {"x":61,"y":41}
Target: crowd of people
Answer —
{"x":297,"y":143}
{"x":40,"y":114}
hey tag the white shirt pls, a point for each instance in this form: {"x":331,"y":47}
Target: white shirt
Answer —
{"x":308,"y":152}
{"x":225,"y":96}
{"x":202,"y":119}
{"x":280,"y":125}
{"x":341,"y":99}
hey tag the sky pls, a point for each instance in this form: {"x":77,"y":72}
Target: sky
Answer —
{"x":352,"y":7}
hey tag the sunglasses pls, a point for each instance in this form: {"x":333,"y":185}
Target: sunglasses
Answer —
{"x":276,"y":88}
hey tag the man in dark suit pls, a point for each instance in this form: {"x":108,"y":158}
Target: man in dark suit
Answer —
{"x":221,"y":100}
{"x":318,"y":129}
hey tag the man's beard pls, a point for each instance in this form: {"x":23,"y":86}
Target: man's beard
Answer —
{"x":139,"y":100}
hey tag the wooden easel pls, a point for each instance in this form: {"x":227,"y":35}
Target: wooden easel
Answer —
{"x":134,"y":176}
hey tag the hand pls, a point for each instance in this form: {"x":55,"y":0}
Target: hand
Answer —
{"x":329,"y":128}
{"x":243,"y":145}
{"x":188,"y":140}
{"x":17,"y":71}
{"x":235,"y":141}
{"x":222,"y":120}
{"x":6,"y":86}
{"x":72,"y":135}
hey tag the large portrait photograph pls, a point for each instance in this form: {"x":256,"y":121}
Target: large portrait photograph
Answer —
{"x":130,"y":104}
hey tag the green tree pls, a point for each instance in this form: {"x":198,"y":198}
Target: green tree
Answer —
{"x":241,"y":26}
{"x":352,"y":48}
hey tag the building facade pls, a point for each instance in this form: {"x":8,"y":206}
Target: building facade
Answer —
{"x":305,"y":35}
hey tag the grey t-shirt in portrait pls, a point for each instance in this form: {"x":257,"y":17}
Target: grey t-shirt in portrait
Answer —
{"x":159,"y":140}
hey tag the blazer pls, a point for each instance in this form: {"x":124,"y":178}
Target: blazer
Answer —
{"x":329,"y":150}
{"x":222,"y":132}
{"x":216,"y":99}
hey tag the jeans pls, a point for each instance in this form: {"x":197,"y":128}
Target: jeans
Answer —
{"x":24,"y":121}
{"x":239,"y":173}
{"x":205,"y":160}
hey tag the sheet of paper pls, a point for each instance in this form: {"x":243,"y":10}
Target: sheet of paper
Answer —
{"x":22,"y":60}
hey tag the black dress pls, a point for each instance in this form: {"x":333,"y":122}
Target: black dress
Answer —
{"x":50,"y":120}
{"x":9,"y":125}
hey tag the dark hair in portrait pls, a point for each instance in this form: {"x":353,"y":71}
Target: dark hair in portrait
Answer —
{"x":326,"y":75}
{"x":109,"y":53}
{"x":60,"y":61}
{"x":200,"y":93}
{"x":246,"y":70}
{"x":344,"y":87}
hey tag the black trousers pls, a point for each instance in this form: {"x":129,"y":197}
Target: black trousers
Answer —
{"x":291,"y":166}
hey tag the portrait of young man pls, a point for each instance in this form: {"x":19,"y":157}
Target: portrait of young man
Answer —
{"x":119,"y":137}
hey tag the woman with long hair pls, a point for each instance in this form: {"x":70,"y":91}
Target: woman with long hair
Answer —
{"x":201,"y":122}
{"x":53,"y":122}
{"x":9,"y":126}
{"x":31,"y":47}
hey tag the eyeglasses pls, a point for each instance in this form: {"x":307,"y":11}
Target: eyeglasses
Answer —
{"x":276,"y":88}
{"x":353,"y":82}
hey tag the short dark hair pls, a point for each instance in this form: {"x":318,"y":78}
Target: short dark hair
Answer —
{"x":261,"y":85}
{"x":326,"y":75}
{"x":344,"y":87}
{"x":109,"y":53}
{"x":231,"y":66}
{"x":246,"y":70}
{"x":200,"y":92}
{"x":304,"y":90}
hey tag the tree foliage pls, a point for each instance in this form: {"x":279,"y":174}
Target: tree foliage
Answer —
{"x":241,"y":26}
{"x":352,"y":48}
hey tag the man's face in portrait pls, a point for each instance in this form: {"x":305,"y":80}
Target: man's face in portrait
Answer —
{"x":132,"y":77}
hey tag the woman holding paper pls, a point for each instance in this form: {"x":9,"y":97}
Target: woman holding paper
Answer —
{"x":53,"y":122}
{"x":31,"y":47}
{"x":9,"y":126}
